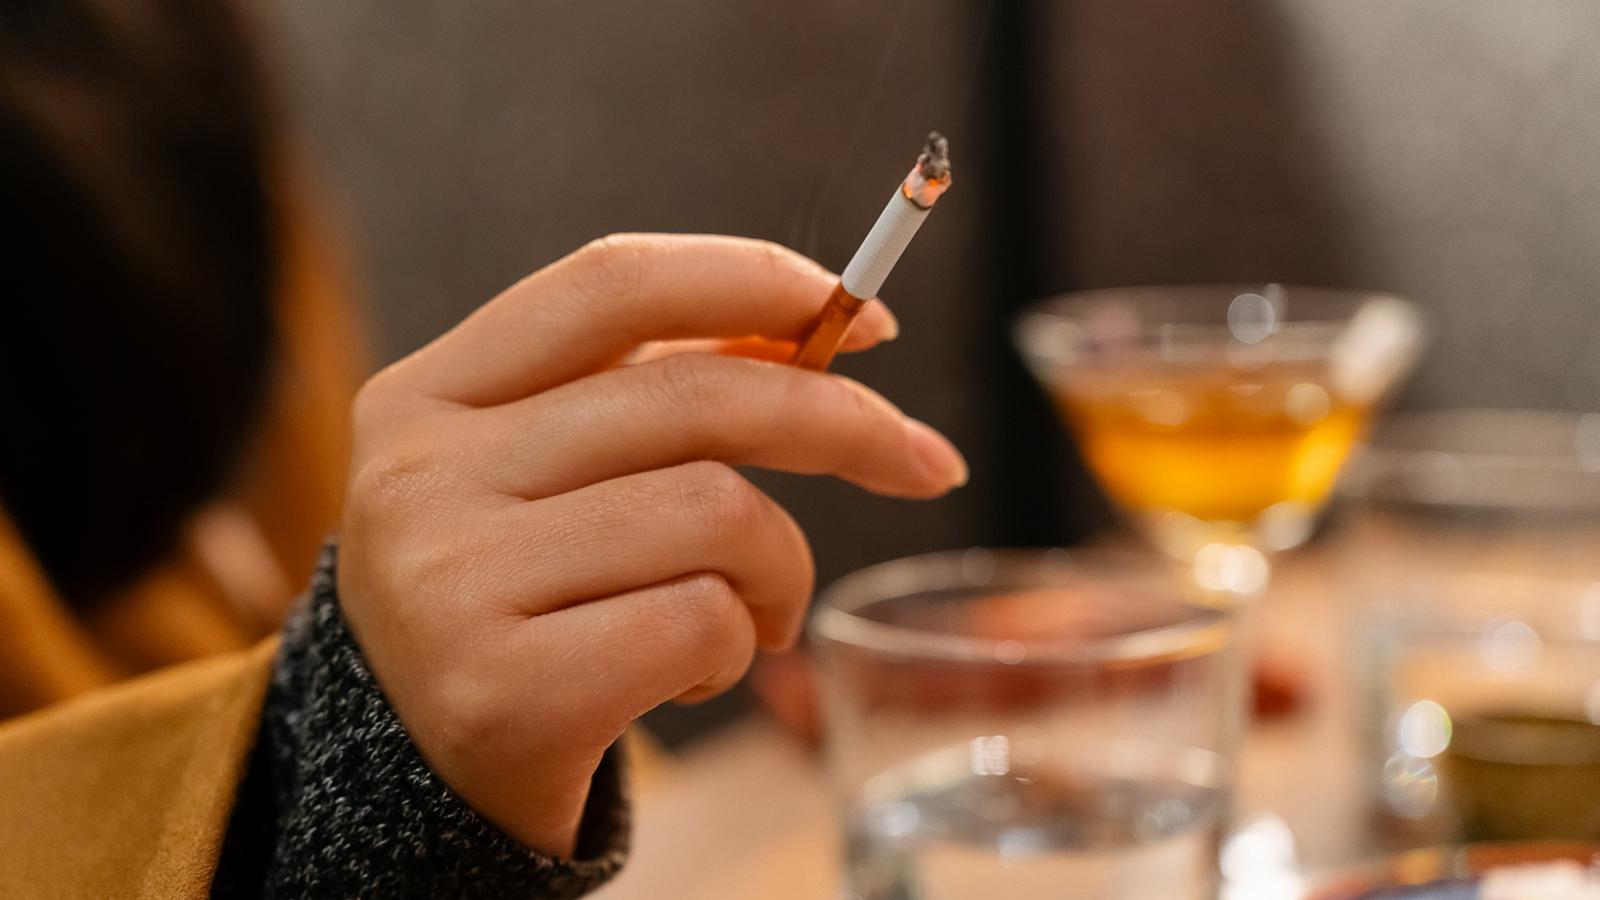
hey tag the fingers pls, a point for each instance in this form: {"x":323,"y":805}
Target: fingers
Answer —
{"x":687,"y":639}
{"x":591,"y":309}
{"x":651,"y":528}
{"x":550,"y":693}
{"x":696,"y":406}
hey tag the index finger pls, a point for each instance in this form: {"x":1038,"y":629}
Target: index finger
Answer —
{"x":587,"y":311}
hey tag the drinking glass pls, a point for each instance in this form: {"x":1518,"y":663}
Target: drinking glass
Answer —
{"x":1028,"y":724}
{"x":1472,"y":554}
{"x":1484,"y":708}
{"x":1217,"y":417}
{"x":1502,"y":491}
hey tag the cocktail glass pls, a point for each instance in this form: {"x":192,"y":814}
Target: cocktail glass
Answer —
{"x":1217,"y":417}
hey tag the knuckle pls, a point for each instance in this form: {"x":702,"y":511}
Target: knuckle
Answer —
{"x":694,"y":383}
{"x":772,"y":255}
{"x":861,"y":401}
{"x":470,"y":715}
{"x":374,"y":402}
{"x":434,"y":570}
{"x":855,"y":419}
{"x":820,"y":393}
{"x":722,"y":498}
{"x":711,"y":600}
{"x":871,"y":414}
{"x":869,"y":435}
{"x":610,"y":266}
{"x":712,"y":616}
{"x":779,"y":259}
{"x":395,"y":477}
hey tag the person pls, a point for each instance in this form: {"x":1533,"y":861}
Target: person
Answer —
{"x":179,"y":352}
{"x":543,"y":535}
{"x":541,"y":540}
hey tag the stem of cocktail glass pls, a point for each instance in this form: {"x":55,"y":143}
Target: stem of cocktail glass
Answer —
{"x":1234,"y":577}
{"x":1230,"y":574}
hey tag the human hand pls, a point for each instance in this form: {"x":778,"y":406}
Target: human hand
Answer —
{"x":543,"y":536}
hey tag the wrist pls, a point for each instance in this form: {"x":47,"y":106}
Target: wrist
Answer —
{"x":362,"y":813}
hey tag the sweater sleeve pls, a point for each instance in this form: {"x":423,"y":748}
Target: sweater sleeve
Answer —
{"x":355,"y":810}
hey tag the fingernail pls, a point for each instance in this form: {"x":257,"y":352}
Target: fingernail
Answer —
{"x":938,"y":457}
{"x":891,"y":326}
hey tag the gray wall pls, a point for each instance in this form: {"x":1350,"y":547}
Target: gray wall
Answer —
{"x":1448,"y":150}
{"x":1442,"y":149}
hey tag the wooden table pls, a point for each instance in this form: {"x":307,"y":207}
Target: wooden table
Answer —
{"x":747,"y":814}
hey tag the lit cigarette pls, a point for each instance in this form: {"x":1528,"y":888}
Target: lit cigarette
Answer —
{"x":875,"y":259}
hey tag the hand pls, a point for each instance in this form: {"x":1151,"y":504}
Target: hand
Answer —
{"x":543,"y":540}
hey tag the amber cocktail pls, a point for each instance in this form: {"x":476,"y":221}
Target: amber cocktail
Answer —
{"x":1218,"y":417}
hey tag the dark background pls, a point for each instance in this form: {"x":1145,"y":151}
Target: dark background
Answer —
{"x":1446,"y":150}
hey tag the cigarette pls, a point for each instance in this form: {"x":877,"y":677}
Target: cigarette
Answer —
{"x":875,"y":259}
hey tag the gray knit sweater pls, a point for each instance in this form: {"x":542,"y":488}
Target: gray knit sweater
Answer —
{"x":338,"y":803}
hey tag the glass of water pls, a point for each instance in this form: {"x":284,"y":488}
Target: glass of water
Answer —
{"x":1028,"y":724}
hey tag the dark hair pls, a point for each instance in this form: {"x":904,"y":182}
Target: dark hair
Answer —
{"x":138,"y":271}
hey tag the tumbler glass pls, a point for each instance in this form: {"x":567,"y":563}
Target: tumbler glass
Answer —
{"x":1028,"y":724}
{"x":1472,"y":557}
{"x":1483,"y":720}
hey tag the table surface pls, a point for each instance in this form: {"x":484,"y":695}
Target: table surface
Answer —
{"x":746,"y":813}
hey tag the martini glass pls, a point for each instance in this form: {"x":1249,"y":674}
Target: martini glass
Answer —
{"x":1217,"y":417}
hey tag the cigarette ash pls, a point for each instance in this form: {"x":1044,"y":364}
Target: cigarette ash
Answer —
{"x":934,"y":161}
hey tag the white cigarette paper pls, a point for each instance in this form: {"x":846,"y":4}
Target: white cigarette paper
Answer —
{"x":889,"y":237}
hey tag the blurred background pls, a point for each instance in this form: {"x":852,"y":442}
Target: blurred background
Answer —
{"x":1424,"y":147}
{"x":337,"y":183}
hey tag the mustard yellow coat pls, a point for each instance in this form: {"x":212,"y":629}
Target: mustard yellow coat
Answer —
{"x":126,"y":792}
{"x":112,"y":787}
